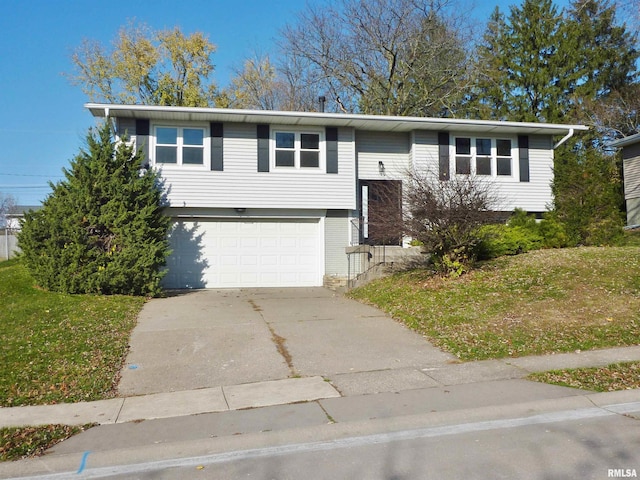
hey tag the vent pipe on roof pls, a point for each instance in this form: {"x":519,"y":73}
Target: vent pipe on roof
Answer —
{"x":321,"y":100}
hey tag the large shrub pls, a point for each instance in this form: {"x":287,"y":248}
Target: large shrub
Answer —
{"x":445,"y":216}
{"x":102,"y":229}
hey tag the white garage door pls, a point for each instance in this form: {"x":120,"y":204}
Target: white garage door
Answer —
{"x":232,"y":253}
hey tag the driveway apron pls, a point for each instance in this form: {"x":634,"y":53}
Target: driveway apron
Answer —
{"x":210,"y":338}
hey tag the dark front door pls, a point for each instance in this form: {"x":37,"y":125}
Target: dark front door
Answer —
{"x":381,"y":208}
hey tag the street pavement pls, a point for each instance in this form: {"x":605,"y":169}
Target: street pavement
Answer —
{"x":211,"y":372}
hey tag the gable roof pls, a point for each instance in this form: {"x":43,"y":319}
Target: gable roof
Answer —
{"x":317,"y":119}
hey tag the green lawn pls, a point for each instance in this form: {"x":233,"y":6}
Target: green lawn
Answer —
{"x":541,"y":302}
{"x":59,"y":348}
{"x":56,"y":348}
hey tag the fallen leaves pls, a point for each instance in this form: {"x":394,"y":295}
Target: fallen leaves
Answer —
{"x":541,"y":302}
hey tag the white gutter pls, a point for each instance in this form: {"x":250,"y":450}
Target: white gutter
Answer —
{"x":564,"y":139}
{"x":365,"y":122}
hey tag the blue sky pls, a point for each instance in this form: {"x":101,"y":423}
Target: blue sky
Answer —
{"x":42,"y":119}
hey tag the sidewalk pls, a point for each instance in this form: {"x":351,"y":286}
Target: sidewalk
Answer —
{"x":209,"y":424}
{"x":476,"y":383}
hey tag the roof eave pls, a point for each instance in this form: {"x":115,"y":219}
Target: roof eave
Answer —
{"x":623,"y":142}
{"x":359,"y":121}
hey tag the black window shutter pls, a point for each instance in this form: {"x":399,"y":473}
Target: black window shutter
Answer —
{"x":443,"y":155}
{"x":331,"y":134}
{"x":142,"y":137}
{"x":217,"y":148}
{"x":263,"y":148}
{"x":523,"y":157}
{"x":142,"y":127}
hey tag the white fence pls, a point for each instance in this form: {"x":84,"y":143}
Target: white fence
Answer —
{"x":8,"y":243}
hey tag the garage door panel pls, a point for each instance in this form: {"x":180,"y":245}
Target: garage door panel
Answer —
{"x":228,"y":261}
{"x":247,"y":253}
{"x":307,"y":260}
{"x":248,"y":260}
{"x":269,"y":260}
{"x":226,"y":242}
{"x":249,"y":242}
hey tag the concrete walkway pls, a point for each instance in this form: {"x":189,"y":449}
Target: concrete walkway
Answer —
{"x":464,"y":385}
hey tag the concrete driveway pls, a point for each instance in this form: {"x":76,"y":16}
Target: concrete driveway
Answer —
{"x":211,"y":338}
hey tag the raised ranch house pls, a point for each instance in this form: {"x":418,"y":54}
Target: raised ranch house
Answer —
{"x":269,"y":198}
{"x":631,"y":174}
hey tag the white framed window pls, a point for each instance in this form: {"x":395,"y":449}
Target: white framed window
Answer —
{"x":298,"y":150}
{"x":181,"y":145}
{"x":482,"y":156}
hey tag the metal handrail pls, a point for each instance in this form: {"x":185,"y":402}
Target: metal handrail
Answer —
{"x":366,"y":257}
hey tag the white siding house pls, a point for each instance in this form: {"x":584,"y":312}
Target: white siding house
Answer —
{"x":265,"y":198}
{"x":631,"y":174}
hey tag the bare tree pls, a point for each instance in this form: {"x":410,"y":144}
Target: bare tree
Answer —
{"x":265,"y":85}
{"x":446,"y":215}
{"x":7,"y":204}
{"x":254,"y":86}
{"x":617,"y":115}
{"x":394,"y":57}
{"x":630,"y":11}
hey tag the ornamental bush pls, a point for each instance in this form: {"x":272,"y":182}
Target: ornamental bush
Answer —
{"x":521,"y":234}
{"x":499,"y":240}
{"x":102,"y":229}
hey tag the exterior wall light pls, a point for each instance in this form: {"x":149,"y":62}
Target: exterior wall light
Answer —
{"x":381,"y":167}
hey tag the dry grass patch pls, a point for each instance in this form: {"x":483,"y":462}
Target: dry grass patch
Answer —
{"x":618,"y":376}
{"x":541,"y":302}
{"x":22,"y":442}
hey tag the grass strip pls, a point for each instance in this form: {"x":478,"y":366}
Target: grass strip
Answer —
{"x":23,"y":442}
{"x":614,"y":377}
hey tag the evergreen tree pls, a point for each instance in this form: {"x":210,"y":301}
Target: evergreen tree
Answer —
{"x":540,"y":64}
{"x":102,"y":229}
{"x":520,"y":63}
{"x":588,"y":196}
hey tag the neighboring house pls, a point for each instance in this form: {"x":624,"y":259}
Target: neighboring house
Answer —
{"x":631,"y":174}
{"x":9,"y":241}
{"x":267,"y":198}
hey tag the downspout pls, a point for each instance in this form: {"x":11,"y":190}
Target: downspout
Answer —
{"x":564,"y":139}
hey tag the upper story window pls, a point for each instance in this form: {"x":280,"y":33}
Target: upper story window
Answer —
{"x":298,"y":149}
{"x":483,"y":156}
{"x":503,"y":158}
{"x":180,"y":145}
